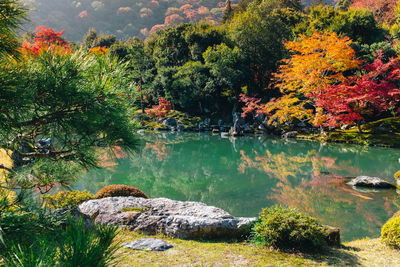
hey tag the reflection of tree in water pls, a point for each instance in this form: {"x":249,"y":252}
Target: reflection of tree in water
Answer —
{"x":244,"y":175}
{"x":158,"y":148}
{"x":305,"y":182}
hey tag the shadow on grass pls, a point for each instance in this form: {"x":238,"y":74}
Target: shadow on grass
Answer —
{"x":340,"y":256}
{"x":334,"y":256}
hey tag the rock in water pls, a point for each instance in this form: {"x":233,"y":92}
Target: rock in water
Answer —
{"x":161,"y":215}
{"x":170,"y":122}
{"x":370,"y":182}
{"x":292,"y":134}
{"x":149,"y":244}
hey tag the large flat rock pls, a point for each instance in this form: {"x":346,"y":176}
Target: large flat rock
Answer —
{"x":182,"y":219}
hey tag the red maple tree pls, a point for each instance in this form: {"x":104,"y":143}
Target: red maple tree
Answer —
{"x":47,"y":38}
{"x":161,"y":109}
{"x":370,"y":94}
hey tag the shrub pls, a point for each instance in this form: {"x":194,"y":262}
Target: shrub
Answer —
{"x":287,"y":228}
{"x":67,"y":199}
{"x":119,"y":190}
{"x":390,"y":234}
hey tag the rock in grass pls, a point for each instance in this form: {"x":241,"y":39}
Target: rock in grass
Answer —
{"x":149,"y":244}
{"x":181,"y":219}
{"x":332,"y":236}
{"x":370,"y":182}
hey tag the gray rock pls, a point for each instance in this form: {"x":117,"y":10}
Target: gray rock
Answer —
{"x":370,"y":182}
{"x":207,"y":122}
{"x":161,"y":129}
{"x":292,"y":134}
{"x":176,"y":218}
{"x":149,"y":244}
{"x":170,"y":122}
{"x":141,"y":132}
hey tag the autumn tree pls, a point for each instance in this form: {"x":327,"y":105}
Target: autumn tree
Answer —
{"x":161,"y":110}
{"x":316,"y":62}
{"x":362,"y":97}
{"x":382,"y":9}
{"x":47,"y":38}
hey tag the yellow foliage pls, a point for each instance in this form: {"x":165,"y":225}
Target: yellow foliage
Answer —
{"x":6,"y":160}
{"x":100,"y":50}
{"x":286,"y":108}
{"x":316,"y":62}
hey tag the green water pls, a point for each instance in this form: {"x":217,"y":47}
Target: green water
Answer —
{"x":246,"y":174}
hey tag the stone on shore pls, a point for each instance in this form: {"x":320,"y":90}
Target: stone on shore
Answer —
{"x":170,"y":217}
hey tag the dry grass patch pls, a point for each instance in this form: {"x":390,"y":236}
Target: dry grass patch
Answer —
{"x":209,"y":253}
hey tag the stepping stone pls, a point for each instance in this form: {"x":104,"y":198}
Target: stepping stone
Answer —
{"x":149,"y":244}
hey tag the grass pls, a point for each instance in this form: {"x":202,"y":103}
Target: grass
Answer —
{"x":366,"y":252}
{"x":372,"y":134}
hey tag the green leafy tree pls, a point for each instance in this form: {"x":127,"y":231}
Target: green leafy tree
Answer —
{"x":259,"y":33}
{"x":140,"y":64}
{"x":227,"y":70}
{"x":358,"y":24}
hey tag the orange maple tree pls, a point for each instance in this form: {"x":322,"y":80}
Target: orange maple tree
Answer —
{"x":160,"y":110}
{"x":316,"y":62}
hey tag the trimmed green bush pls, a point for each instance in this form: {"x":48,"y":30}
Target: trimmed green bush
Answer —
{"x":67,"y":199}
{"x":390,"y":233}
{"x":287,"y":228}
{"x":119,"y":190}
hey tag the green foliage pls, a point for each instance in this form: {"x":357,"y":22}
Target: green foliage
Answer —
{"x":259,"y":33}
{"x":119,"y":190}
{"x":358,"y":24}
{"x":12,"y":14}
{"x":390,"y":234}
{"x":87,"y":246}
{"x":77,"y":100}
{"x":66,"y":199}
{"x":34,"y":238}
{"x":287,"y":228}
{"x":369,"y":52}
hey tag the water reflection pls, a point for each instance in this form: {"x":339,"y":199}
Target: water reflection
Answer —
{"x":244,"y":175}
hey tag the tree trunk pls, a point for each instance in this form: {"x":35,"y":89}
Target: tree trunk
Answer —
{"x":141,"y":93}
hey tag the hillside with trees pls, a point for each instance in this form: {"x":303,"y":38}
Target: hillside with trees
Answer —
{"x":125,"y":18}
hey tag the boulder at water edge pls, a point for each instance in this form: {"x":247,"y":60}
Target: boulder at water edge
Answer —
{"x":370,"y":182}
{"x":170,"y":217}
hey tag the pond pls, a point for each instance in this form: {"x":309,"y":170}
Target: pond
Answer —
{"x":243,"y":175}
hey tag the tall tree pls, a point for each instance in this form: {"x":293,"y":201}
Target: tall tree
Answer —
{"x":362,"y":97}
